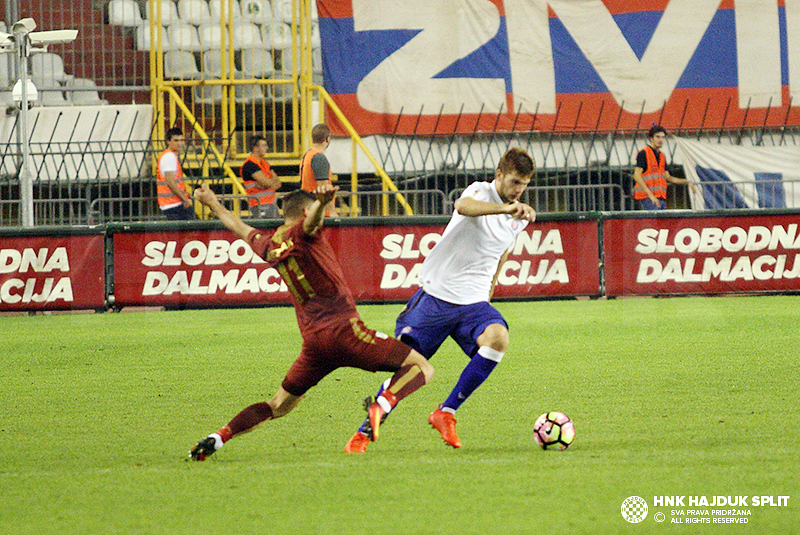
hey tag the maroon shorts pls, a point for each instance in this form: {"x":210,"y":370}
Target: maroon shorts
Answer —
{"x":350,"y":344}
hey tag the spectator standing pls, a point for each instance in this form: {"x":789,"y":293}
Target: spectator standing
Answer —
{"x":315,"y":169}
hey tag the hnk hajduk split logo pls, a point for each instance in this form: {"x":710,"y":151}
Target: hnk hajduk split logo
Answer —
{"x":634,"y":509}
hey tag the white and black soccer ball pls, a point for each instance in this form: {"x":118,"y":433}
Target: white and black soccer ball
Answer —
{"x":554,"y":430}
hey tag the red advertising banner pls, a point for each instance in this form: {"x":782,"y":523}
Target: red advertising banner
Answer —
{"x":701,"y":255}
{"x":381,"y":263}
{"x":52,"y":273}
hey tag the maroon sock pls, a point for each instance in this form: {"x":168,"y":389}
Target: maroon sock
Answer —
{"x":248,"y":419}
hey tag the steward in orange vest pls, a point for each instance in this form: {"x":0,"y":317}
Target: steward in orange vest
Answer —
{"x":173,"y":200}
{"x":650,"y":174}
{"x":259,"y":180}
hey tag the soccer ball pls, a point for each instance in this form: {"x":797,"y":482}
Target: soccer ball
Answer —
{"x":554,"y":430}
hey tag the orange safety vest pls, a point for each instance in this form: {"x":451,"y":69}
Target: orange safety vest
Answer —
{"x":655,"y":176}
{"x":164,"y":194}
{"x":307,"y":180}
{"x":258,"y":195}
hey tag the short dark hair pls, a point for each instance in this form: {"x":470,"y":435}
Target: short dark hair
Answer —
{"x":655,"y":129}
{"x":517,"y":160}
{"x":320,"y":133}
{"x":172,"y":132}
{"x":294,"y":202}
{"x":254,"y":140}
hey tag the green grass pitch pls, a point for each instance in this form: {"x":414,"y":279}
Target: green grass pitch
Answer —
{"x":684,"y":397}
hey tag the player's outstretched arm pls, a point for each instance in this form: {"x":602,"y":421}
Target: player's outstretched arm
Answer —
{"x":325,"y":193}
{"x":231,"y":221}
{"x":467,"y":206}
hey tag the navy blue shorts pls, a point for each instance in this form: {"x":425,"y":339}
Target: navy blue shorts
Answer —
{"x":426,"y":322}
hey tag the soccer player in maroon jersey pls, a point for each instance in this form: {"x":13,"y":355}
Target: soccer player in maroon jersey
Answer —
{"x":333,"y":333}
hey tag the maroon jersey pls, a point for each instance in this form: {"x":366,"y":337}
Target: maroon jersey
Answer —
{"x":312,"y":274}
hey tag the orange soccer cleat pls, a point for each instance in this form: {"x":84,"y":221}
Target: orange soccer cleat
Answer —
{"x":357,"y":444}
{"x":445,"y":423}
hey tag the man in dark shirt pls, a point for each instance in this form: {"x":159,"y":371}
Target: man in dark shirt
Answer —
{"x":333,"y":333}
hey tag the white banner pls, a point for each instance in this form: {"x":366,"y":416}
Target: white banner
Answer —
{"x":741,"y":177}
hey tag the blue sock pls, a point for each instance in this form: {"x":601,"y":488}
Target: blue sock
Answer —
{"x":384,"y":385}
{"x":474,"y":374}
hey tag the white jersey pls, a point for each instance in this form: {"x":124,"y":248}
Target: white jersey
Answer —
{"x":461,"y":267}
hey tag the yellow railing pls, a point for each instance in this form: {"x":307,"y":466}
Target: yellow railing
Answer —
{"x":229,"y":117}
{"x":356,"y":142}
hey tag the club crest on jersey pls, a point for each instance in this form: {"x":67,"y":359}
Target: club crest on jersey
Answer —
{"x":515,"y":223}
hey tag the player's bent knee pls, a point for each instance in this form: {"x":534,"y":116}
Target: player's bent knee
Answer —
{"x":416,"y":359}
{"x":283,"y":403}
{"x":494,"y":336}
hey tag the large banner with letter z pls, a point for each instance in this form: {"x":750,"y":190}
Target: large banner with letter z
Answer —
{"x":438,"y":66}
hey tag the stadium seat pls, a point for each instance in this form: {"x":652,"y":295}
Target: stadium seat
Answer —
{"x":207,"y":94}
{"x":48,"y":66}
{"x":216,"y":10}
{"x":144,"y":40}
{"x":210,"y":36}
{"x":184,"y":37}
{"x":51,"y":97}
{"x":282,"y":10}
{"x":257,"y":63}
{"x":124,"y":13}
{"x":194,"y":12}
{"x":246,"y":94}
{"x":258,"y":11}
{"x":169,"y":12}
{"x":276,"y":35}
{"x":83,"y":92}
{"x":246,"y":35}
{"x":282,"y":92}
{"x":212,"y":65}
{"x":180,"y":65}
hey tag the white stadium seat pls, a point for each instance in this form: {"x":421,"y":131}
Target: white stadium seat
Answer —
{"x":249,"y":93}
{"x":212,"y":65}
{"x":282,"y":10}
{"x":216,"y":10}
{"x":169,"y":12}
{"x":246,"y":35}
{"x":277,"y":35}
{"x":180,"y":65}
{"x":144,"y":40}
{"x":194,"y":12}
{"x":207,"y":94}
{"x":258,"y":11}
{"x":124,"y":13}
{"x":210,"y":36}
{"x":184,"y":37}
{"x":83,"y":92}
{"x":48,"y":66}
{"x":257,"y":63}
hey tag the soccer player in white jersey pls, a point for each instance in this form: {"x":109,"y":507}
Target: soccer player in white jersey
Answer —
{"x":457,"y":281}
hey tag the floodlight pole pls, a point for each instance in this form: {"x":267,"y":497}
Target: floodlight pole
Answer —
{"x":25,"y":176}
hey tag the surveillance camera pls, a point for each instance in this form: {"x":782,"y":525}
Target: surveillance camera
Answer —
{"x":24,"y":26}
{"x":32,"y":93}
{"x":52,"y":37}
